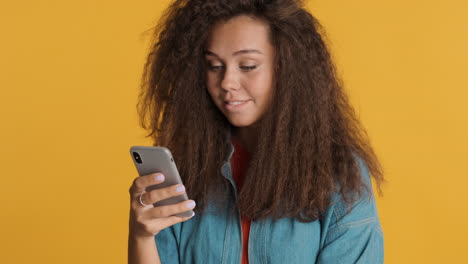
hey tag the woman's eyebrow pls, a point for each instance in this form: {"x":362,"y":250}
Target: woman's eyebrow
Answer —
{"x":207,"y":52}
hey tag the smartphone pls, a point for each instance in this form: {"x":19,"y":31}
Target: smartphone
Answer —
{"x":150,"y":160}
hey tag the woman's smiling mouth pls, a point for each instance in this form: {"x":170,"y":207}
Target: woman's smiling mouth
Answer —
{"x":235,"y":104}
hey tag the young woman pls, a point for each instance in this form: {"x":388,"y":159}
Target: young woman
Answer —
{"x":245,"y":95}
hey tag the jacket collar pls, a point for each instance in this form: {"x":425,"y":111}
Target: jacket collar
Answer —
{"x":226,"y":169}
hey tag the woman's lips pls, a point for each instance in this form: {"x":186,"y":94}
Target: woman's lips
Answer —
{"x":236,"y":107}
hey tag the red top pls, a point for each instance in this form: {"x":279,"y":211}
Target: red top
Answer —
{"x":240,"y":162}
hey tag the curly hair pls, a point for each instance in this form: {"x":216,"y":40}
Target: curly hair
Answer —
{"x":307,"y":149}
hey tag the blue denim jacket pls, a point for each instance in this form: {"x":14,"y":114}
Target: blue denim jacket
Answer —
{"x":215,"y":236}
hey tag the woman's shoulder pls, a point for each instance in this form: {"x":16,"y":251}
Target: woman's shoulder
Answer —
{"x":358,"y":204}
{"x":360,"y":211}
{"x":352,"y":231}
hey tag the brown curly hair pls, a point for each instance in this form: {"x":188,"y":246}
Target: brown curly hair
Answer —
{"x":307,"y":149}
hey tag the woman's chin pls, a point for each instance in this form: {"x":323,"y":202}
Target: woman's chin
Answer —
{"x":240,"y":122}
{"x":243,"y":123}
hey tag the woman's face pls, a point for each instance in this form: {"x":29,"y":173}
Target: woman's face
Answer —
{"x":240,"y":69}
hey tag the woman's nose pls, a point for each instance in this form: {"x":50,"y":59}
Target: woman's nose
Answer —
{"x":230,"y":80}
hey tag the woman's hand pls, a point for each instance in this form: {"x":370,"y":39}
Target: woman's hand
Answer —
{"x":147,"y":221}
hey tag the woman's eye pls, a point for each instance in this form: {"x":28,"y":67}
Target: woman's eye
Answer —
{"x":248,"y":68}
{"x":218,"y":67}
{"x":214,"y":67}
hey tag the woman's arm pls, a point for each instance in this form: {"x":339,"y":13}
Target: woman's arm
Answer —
{"x":354,"y":242}
{"x":142,"y":250}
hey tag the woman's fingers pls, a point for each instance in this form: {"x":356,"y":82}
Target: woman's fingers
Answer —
{"x":170,"y":210}
{"x":152,"y":226}
{"x":140,"y":183}
{"x":157,"y":195}
{"x":149,"y":220}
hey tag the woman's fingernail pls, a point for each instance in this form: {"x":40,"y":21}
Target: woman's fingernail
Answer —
{"x":180,"y":188}
{"x":159,"y":177}
{"x":190,"y":204}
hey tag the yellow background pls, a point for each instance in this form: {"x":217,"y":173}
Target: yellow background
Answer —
{"x":69,"y":77}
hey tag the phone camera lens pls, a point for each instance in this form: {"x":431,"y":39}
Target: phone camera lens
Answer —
{"x":137,"y":157}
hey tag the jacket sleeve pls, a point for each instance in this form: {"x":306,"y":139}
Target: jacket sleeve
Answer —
{"x":168,"y":245}
{"x":352,"y":234}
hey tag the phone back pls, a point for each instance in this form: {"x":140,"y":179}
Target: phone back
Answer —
{"x":150,"y":160}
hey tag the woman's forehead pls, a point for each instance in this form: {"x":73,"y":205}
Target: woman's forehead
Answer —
{"x":240,"y":35}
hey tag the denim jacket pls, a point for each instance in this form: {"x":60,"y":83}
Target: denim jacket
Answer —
{"x":341,"y":236}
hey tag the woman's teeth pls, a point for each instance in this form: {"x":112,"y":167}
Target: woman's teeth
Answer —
{"x":236,"y":103}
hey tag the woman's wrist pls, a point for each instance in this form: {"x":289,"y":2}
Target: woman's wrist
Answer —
{"x":142,"y":249}
{"x":140,"y":238}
